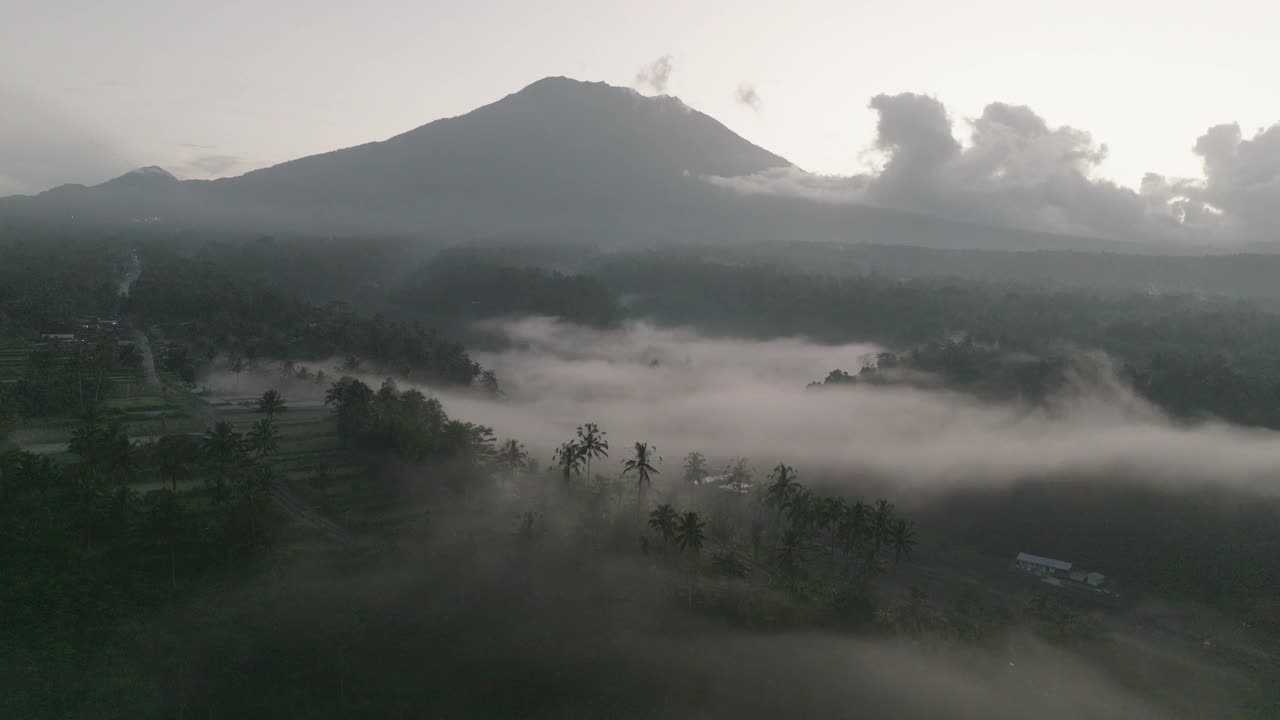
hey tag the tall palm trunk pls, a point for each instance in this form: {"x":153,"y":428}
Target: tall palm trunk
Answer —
{"x":80,"y":375}
{"x":689,"y":584}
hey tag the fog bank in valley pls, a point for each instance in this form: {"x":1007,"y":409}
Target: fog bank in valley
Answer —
{"x":493,"y":625}
{"x":730,"y":398}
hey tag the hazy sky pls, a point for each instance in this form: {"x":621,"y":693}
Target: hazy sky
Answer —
{"x":206,"y":89}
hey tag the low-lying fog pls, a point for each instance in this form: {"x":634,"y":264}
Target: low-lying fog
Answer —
{"x":596,"y":642}
{"x":731,"y":398}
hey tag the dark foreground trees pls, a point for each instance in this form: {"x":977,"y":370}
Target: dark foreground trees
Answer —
{"x":406,"y":423}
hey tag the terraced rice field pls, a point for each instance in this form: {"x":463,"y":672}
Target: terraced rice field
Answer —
{"x":310,"y":458}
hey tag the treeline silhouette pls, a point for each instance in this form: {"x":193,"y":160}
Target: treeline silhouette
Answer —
{"x":211,"y":312}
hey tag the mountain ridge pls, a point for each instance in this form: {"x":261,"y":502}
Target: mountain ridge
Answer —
{"x":559,"y":156}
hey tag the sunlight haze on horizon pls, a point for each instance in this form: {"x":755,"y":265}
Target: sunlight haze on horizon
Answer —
{"x":251,"y":87}
{"x":243,"y":87}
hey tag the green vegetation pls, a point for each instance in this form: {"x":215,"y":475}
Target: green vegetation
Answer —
{"x":211,"y":313}
{"x":171,"y":550}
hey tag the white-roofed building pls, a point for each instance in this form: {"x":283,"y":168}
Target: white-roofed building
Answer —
{"x":1044,"y":566}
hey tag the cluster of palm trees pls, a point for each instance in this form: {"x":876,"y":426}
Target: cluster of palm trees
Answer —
{"x":849,"y":539}
{"x":573,"y":459}
{"x":858,"y":531}
{"x":795,"y":532}
{"x":684,"y":530}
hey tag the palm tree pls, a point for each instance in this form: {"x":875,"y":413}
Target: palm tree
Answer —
{"x":131,"y":359}
{"x":803,"y":510}
{"x":569,"y":457}
{"x":591,"y":444}
{"x":238,"y":365}
{"x":250,"y":486}
{"x":902,"y":538}
{"x":695,"y":468}
{"x":271,"y":403}
{"x":853,"y":527}
{"x":103,"y":361}
{"x":831,"y":511}
{"x":511,"y":458}
{"x":173,"y":453}
{"x":881,"y":523}
{"x":662,"y":520}
{"x":689,"y":537}
{"x":222,"y":446}
{"x":117,"y":454}
{"x":263,"y":438}
{"x":351,"y":364}
{"x":164,"y":525}
{"x":791,"y":554}
{"x":85,"y":438}
{"x":783,"y":488}
{"x":644,"y":469}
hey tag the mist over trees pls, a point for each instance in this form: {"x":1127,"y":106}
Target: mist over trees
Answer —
{"x":319,"y":513}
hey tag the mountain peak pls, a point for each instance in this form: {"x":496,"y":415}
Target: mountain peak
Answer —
{"x":149,"y":175}
{"x":561,"y":83}
{"x":558,"y":155}
{"x":559,"y":87}
{"x":150,"y":171}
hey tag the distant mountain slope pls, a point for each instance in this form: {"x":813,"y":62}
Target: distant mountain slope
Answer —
{"x":559,"y":154}
{"x":560,"y":157}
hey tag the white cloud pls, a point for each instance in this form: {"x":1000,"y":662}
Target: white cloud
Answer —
{"x":1018,"y":171}
{"x":655,"y":75}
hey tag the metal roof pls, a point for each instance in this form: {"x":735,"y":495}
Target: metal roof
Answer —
{"x":1047,"y":562}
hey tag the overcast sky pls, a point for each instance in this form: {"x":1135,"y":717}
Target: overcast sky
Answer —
{"x":88,"y":89}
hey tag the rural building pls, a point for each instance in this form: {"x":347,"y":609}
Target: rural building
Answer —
{"x":1043,"y":566}
{"x":727,"y":483}
{"x":1051,"y":570}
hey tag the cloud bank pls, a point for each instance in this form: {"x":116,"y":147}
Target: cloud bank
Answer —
{"x":729,"y":398}
{"x":1017,"y":170}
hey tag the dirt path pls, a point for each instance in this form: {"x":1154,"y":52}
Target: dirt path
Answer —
{"x":148,"y":358}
